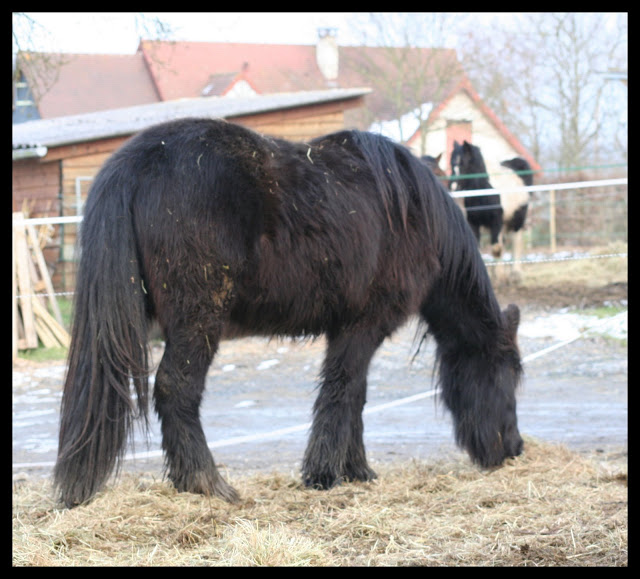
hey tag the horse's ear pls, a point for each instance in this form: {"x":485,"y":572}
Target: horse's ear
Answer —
{"x":512,"y":319}
{"x":438,"y":157}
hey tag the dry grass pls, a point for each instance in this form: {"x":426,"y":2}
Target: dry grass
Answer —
{"x":583,"y":272}
{"x":549,"y":507}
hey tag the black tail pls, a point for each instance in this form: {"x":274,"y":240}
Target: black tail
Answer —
{"x":108,"y":345}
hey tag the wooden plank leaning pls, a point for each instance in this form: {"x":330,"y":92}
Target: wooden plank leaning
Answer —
{"x":44,"y":272}
{"x":24,"y":285}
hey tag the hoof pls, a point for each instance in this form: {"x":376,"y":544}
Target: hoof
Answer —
{"x":208,"y":484}
{"x":325,"y":481}
{"x":322,"y":482}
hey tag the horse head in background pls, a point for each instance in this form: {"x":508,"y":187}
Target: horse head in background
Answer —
{"x":469,"y":173}
{"x":434,"y":164}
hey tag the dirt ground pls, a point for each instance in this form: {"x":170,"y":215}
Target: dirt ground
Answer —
{"x":577,"y":397}
{"x":562,"y":295}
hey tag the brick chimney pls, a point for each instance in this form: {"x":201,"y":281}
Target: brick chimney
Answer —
{"x":327,"y":55}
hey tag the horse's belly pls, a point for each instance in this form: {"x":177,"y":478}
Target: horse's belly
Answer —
{"x":285,"y":318}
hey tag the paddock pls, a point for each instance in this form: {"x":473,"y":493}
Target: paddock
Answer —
{"x":565,"y":393}
{"x":270,"y":383}
{"x":573,"y":415}
{"x":545,"y":239}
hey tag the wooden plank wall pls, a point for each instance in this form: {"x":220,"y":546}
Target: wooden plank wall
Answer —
{"x":36,"y":184}
{"x":283,"y":124}
{"x":73,"y":168}
{"x":35,"y":190}
{"x":302,"y":124}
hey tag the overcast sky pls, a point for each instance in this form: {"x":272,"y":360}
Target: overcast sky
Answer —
{"x":115,"y":32}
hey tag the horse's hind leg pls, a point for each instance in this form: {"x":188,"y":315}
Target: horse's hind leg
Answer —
{"x":497,"y":241}
{"x":336,"y":449}
{"x":179,"y":385}
{"x":518,"y":251}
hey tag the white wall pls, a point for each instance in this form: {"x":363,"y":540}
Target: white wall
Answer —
{"x":494,"y":147}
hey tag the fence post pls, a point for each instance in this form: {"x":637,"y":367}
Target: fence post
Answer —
{"x":552,"y":220}
{"x":14,"y":296}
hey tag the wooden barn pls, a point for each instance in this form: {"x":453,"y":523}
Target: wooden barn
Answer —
{"x":54,"y":160}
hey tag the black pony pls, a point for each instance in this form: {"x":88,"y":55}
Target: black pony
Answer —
{"x":500,"y":214}
{"x":215,"y":231}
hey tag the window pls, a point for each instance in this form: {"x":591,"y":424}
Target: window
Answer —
{"x":24,"y":106}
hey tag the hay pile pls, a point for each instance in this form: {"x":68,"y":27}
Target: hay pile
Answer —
{"x":549,"y":507}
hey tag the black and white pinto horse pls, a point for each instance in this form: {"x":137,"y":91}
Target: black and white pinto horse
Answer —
{"x":215,"y":231}
{"x":501,"y":214}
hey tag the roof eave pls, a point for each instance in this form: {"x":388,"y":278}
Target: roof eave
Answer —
{"x":29,"y":153}
{"x":94,"y":126}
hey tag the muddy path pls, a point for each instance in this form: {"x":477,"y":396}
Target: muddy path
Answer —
{"x":575,"y":396}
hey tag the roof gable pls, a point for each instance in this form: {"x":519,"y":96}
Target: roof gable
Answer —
{"x":230,"y":84}
{"x":464,"y":85}
{"x":181,"y":69}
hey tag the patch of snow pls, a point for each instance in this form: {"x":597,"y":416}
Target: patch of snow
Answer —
{"x":566,"y":326}
{"x":267,"y":364}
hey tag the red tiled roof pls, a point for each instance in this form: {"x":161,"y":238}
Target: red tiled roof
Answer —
{"x":95,"y":82}
{"x":165,"y":70}
{"x":183,"y":69}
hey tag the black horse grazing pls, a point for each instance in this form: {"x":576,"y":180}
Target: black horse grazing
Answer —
{"x":500,"y":214}
{"x":216,"y":231}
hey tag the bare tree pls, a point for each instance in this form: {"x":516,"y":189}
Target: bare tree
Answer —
{"x":42,"y":67}
{"x":542,"y":74}
{"x":40,"y":62}
{"x":409,"y":67}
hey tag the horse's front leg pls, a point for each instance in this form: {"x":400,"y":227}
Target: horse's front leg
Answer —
{"x":335,"y":451}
